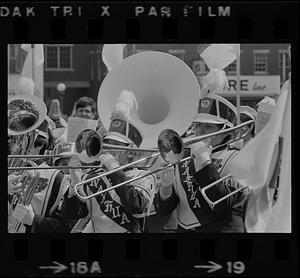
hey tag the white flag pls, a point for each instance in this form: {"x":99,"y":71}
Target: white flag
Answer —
{"x":264,"y":165}
{"x":219,"y":56}
{"x":38,"y":67}
{"x":112,"y":54}
{"x":38,"y":52}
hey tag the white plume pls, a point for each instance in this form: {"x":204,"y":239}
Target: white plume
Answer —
{"x":214,"y":82}
{"x":124,"y":105}
{"x":24,"y":86}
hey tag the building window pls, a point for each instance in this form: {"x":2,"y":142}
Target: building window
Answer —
{"x":261,"y":61}
{"x":231,"y":69}
{"x":284,"y":65}
{"x":12,"y":52}
{"x":179,"y":53}
{"x":59,"y":57}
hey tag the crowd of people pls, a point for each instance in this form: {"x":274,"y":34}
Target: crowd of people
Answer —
{"x":170,"y":200}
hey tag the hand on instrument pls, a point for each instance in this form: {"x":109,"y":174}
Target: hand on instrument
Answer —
{"x":167,"y":179}
{"x":13,"y":185}
{"x":201,"y":152}
{"x":109,"y":162}
{"x":167,"y":176}
{"x":24,"y":214}
{"x":75,"y":174}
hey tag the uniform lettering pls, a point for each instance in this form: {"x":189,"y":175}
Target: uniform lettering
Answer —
{"x":185,"y":164}
{"x":193,"y":197}
{"x":108,"y":206}
{"x":124,"y":218}
{"x":186,"y":171}
{"x":116,"y":212}
{"x":197,"y":204}
{"x":188,"y":179}
{"x":190,"y":186}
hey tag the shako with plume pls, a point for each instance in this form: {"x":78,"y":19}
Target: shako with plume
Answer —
{"x":122,"y":128}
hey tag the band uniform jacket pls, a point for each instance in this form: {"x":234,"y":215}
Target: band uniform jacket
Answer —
{"x":46,"y":201}
{"x":120,"y":210}
{"x":232,"y":222}
{"x":193,"y":212}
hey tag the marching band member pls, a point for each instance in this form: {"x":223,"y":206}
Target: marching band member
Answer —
{"x":85,"y":107}
{"x":123,"y":209}
{"x":246,"y":114}
{"x":56,"y":115}
{"x":41,"y":215}
{"x":194,"y":214}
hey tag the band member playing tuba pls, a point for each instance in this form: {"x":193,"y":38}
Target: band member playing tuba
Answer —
{"x":123,"y":209}
{"x":40,"y":215}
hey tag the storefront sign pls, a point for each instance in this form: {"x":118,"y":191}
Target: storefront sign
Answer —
{"x":253,"y":85}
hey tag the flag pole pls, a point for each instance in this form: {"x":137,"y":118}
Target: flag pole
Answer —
{"x":238,"y":84}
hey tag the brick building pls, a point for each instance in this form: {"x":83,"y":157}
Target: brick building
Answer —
{"x":80,"y":67}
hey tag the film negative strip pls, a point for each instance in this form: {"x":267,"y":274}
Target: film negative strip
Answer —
{"x":71,"y":64}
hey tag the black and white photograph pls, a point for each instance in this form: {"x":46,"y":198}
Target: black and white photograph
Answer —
{"x":149,"y":138}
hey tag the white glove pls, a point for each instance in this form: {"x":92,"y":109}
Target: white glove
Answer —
{"x":13,"y":185}
{"x":24,"y":214}
{"x":201,"y":152}
{"x":109,"y":162}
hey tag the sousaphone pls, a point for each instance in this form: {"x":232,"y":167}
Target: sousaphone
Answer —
{"x":25,"y":114}
{"x":166,"y":90}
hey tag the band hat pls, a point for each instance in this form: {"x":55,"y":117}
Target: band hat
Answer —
{"x":58,"y":132}
{"x":208,"y":119}
{"x":42,"y":130}
{"x":250,"y":112}
{"x":122,"y":128}
{"x":63,"y":149}
{"x":117,"y":137}
{"x":216,"y":110}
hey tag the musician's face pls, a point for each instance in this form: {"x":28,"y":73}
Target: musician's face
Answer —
{"x":63,"y":162}
{"x":127,"y":157}
{"x":85,"y":112}
{"x":207,"y":128}
{"x":14,"y":145}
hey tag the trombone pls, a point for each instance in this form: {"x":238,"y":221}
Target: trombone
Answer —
{"x":176,"y":147}
{"x":88,"y":149}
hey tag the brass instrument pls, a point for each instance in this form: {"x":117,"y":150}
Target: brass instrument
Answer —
{"x":171,"y":149}
{"x":25,"y":114}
